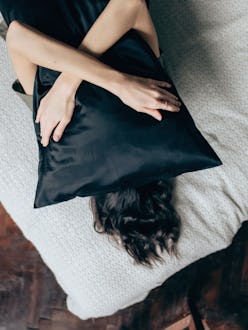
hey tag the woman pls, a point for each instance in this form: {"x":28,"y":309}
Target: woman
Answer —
{"x":142,"y":218}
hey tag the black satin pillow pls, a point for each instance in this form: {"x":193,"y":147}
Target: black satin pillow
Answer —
{"x":107,"y":145}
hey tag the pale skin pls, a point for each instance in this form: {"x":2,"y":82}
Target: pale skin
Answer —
{"x":28,"y":48}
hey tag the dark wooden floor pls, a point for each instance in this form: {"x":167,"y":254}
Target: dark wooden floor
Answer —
{"x":209,"y":294}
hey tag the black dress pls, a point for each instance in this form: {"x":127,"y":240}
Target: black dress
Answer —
{"x":65,"y":20}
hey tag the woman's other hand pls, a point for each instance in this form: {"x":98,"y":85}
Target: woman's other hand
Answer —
{"x":147,"y":95}
{"x":55,"y":110}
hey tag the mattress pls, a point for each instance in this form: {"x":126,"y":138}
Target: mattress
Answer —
{"x":205,"y":52}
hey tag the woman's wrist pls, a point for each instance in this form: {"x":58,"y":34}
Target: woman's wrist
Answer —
{"x":68,"y":82}
{"x":109,"y":79}
{"x":115,"y":82}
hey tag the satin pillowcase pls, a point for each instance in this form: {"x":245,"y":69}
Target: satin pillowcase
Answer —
{"x":107,"y":146}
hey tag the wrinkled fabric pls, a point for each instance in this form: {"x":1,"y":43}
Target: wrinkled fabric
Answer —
{"x":107,"y":146}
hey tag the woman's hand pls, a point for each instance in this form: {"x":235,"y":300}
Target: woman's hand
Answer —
{"x":142,"y":94}
{"x":147,"y":95}
{"x":55,"y":110}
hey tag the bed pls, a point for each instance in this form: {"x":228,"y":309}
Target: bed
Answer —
{"x":205,"y":52}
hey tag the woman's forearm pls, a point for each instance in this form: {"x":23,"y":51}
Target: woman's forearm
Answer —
{"x":56,"y":55}
{"x":99,"y":38}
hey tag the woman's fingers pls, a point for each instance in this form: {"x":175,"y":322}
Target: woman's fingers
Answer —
{"x":162,"y":83}
{"x":45,"y":132}
{"x":170,"y":99}
{"x":60,"y":129}
{"x":165,"y":92}
{"x":175,"y":102}
{"x":40,"y":110}
{"x":166,"y":105}
{"x":152,"y":112}
{"x":37,"y":119}
{"x":163,"y":103}
{"x":162,"y":100}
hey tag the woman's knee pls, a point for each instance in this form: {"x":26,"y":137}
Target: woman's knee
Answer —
{"x":135,"y":3}
{"x":13,"y":31}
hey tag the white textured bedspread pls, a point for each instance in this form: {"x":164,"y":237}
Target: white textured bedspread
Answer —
{"x":206,"y":54}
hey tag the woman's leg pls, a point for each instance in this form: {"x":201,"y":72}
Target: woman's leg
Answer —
{"x":144,"y":25}
{"x":119,"y":14}
{"x":115,"y":20}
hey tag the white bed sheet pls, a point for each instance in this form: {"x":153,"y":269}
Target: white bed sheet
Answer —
{"x":205,"y":45}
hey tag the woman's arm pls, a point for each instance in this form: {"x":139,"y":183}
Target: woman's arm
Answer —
{"x":115,"y":20}
{"x":48,"y":52}
{"x":53,"y":54}
{"x":38,"y":48}
{"x":56,"y":55}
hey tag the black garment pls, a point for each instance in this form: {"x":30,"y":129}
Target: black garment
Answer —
{"x":17,"y":86}
{"x":65,"y":20}
{"x":107,"y":145}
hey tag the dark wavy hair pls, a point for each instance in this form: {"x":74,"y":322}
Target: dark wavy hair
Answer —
{"x":141,"y":218}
